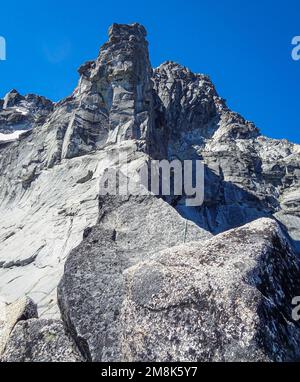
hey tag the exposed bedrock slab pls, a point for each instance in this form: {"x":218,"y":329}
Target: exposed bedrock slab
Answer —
{"x":44,"y":222}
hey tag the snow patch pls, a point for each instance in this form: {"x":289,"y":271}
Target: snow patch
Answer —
{"x":11,"y":137}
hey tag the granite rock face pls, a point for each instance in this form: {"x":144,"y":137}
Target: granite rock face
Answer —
{"x":40,"y":341}
{"x":248,"y":176}
{"x":47,"y":199}
{"x":120,"y":81}
{"x":52,"y":204}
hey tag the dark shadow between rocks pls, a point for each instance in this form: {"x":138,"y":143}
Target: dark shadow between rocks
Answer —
{"x":277,"y":277}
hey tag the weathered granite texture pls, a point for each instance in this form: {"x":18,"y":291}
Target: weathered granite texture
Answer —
{"x":228,"y":298}
{"x":40,"y":341}
{"x":21,"y":310}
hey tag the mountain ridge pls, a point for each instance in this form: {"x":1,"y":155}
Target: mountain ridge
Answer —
{"x":54,"y":217}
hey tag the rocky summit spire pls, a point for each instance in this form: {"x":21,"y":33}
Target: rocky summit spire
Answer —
{"x":11,"y":99}
{"x":120,"y":81}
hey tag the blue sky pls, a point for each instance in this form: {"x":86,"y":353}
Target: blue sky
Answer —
{"x":245,"y":47}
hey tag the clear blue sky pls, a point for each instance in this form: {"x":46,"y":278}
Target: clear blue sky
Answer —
{"x":245,"y":47}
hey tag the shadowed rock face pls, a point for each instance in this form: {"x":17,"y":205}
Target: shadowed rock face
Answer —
{"x":50,"y":179}
{"x":248,"y":176}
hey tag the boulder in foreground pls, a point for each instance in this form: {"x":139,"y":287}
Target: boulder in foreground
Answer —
{"x":228,"y":299}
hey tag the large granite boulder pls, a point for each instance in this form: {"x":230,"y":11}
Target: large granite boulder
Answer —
{"x":226,"y":299}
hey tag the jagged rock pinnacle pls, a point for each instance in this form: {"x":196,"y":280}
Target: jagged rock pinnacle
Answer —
{"x":126,"y":31}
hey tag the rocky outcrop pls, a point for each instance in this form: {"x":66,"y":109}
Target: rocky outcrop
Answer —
{"x":40,"y":341}
{"x":25,"y":338}
{"x":189,"y":109}
{"x":21,"y":113}
{"x":21,"y":310}
{"x":224,"y":299}
{"x":35,"y":237}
